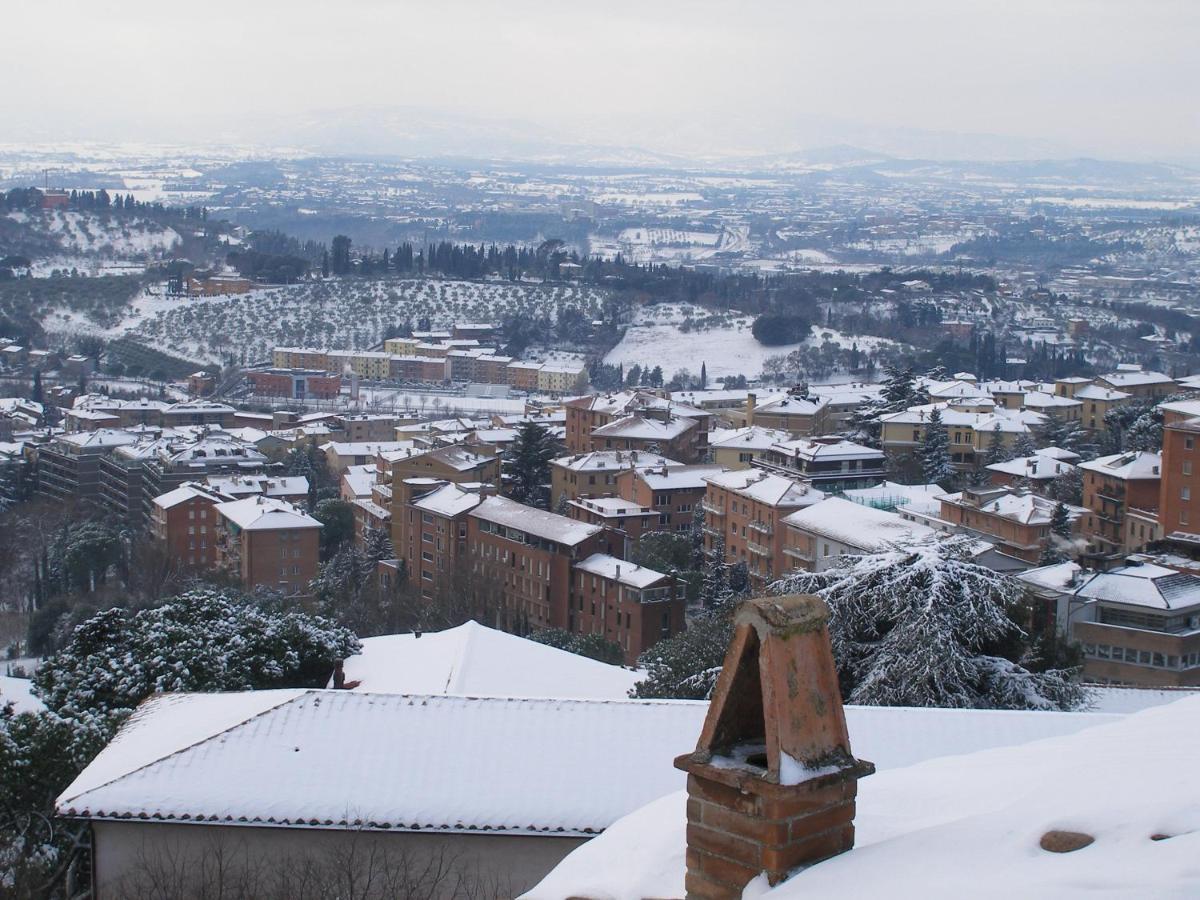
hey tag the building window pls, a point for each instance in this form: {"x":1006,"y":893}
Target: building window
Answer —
{"x":1185,"y":493}
{"x":1187,"y":467}
{"x":1189,"y":443}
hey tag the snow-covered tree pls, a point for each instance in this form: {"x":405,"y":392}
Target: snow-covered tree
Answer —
{"x":934,"y":454}
{"x":1067,"y":487}
{"x":925,"y":626}
{"x":527,"y":464}
{"x":1024,"y":445}
{"x":715,"y":585}
{"x":202,"y":640}
{"x":696,"y":533}
{"x":686,"y":665}
{"x":996,"y":452}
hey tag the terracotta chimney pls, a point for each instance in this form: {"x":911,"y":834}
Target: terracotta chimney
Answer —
{"x":772,"y":781}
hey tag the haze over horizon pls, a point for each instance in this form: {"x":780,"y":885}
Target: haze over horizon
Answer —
{"x":930,"y":78}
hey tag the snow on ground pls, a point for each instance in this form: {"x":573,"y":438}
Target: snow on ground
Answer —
{"x":727,"y":347}
{"x":968,"y":826}
{"x":17,"y":692}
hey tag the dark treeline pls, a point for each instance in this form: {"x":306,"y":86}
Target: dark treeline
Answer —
{"x":99,"y":201}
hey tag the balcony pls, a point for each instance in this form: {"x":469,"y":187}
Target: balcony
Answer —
{"x":713,"y":532}
{"x":762,"y":528}
{"x":758,"y":549}
{"x":711,"y":510}
{"x":797,"y":553}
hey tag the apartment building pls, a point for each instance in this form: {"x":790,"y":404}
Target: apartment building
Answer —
{"x":633,"y":606}
{"x":1180,"y":472}
{"x":828,"y":464}
{"x":1018,"y":522}
{"x":970,"y":426}
{"x":68,"y":466}
{"x":814,"y":537}
{"x":672,"y":492}
{"x":458,"y":463}
{"x":625,"y":518}
{"x":797,"y":414}
{"x":1098,"y":401}
{"x":1112,"y":487}
{"x":184,"y":523}
{"x":737,"y":448}
{"x":595,"y":474}
{"x":521,"y":560}
{"x":295,"y":384}
{"x":268,"y":543}
{"x":430,"y":531}
{"x":675,"y":436}
{"x":586,"y":414}
{"x":1139,"y":384}
{"x":1137,"y":625}
{"x":744,"y":509}
{"x":1037,"y":471}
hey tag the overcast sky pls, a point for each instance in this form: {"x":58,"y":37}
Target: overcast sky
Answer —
{"x":1099,"y":77}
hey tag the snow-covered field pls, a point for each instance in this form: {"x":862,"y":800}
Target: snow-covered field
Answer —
{"x":336,"y":314}
{"x":657,"y":338}
{"x":113,"y":238}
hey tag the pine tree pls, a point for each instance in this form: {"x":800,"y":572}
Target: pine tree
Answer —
{"x":697,"y":536}
{"x":715,"y":586}
{"x":925,"y":626}
{"x":527,"y":464}
{"x":934,"y":454}
{"x":703,"y":375}
{"x":996,"y":451}
{"x":1024,"y":446}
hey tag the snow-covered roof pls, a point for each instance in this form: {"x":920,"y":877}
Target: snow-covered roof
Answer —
{"x":186,"y":492}
{"x":365,"y":448}
{"x":612,"y":460}
{"x":620,"y":571}
{"x":449,"y":500}
{"x":538,"y":522}
{"x":267,"y":485}
{"x":855,"y":525}
{"x":1037,"y":467}
{"x":676,"y":478}
{"x":965,"y":825}
{"x":766,"y":487}
{"x":1099,"y":392}
{"x":477,"y":661}
{"x":1021,"y":507}
{"x":1146,"y":585}
{"x":1040,"y":400}
{"x":1120,"y":380}
{"x":1056,"y":577}
{"x":265,"y":513}
{"x":1137,"y":464}
{"x":380,"y":761}
{"x":613,"y":506}
{"x":825,"y":450}
{"x":360,"y":479}
{"x":1182,"y":407}
{"x":645,"y":428}
{"x":752,"y":437}
{"x":790,"y":405}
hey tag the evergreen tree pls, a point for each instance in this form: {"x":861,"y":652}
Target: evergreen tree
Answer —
{"x":36,"y":394}
{"x":703,"y":375}
{"x":996,"y":452}
{"x":527,"y":464}
{"x":340,"y":259}
{"x":715,"y":586}
{"x":1024,"y":445}
{"x":936,"y":466}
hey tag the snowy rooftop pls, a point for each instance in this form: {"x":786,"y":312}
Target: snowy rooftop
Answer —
{"x":1127,"y":466}
{"x":268,"y":485}
{"x":620,"y":571}
{"x":186,"y":492}
{"x":921,"y":496}
{"x":365,"y":448}
{"x":645,"y":428}
{"x":855,"y":525}
{"x":692,"y":477}
{"x":546,"y":525}
{"x":765,"y":487}
{"x":1182,"y":407}
{"x":360,"y":479}
{"x":752,"y":437}
{"x":455,"y":763}
{"x":966,"y":825}
{"x":613,"y":506}
{"x":448,"y":500}
{"x":826,"y":450}
{"x":1099,"y":392}
{"x":474,"y":660}
{"x":612,"y":460}
{"x":265,"y":513}
{"x":1023,"y":508}
{"x":1037,"y":467}
{"x":1146,"y":585}
{"x":1120,"y":380}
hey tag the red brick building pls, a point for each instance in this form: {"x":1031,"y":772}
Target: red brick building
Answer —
{"x":295,"y":384}
{"x":673,"y":492}
{"x":268,"y":543}
{"x":586,"y":414}
{"x":634,"y":606}
{"x":184,"y":523}
{"x":1112,"y":487}
{"x":521,"y":561}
